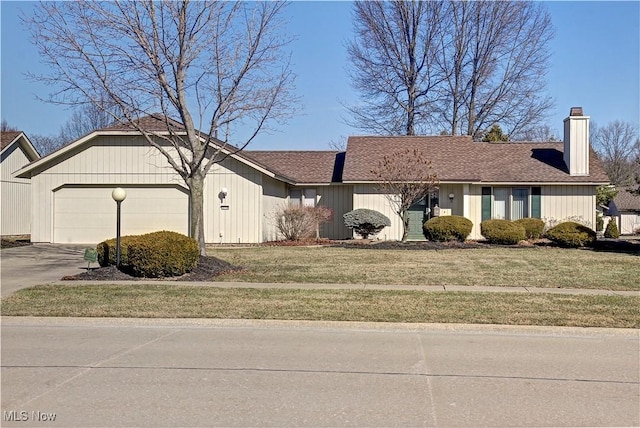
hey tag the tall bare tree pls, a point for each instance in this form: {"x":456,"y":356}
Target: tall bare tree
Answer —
{"x":392,"y":65}
{"x":618,"y":147}
{"x":404,"y":178}
{"x":214,"y":66}
{"x":484,"y":63}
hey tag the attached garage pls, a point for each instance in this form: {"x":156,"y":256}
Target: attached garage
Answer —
{"x":87,"y":214}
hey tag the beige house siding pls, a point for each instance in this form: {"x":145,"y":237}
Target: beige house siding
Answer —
{"x":16,"y":193}
{"x":367,"y":196}
{"x":130,"y":161}
{"x":340,"y":199}
{"x":274,"y":197}
{"x":564,"y":203}
{"x":108,"y":161}
{"x":237,"y":218}
{"x":558,"y":203}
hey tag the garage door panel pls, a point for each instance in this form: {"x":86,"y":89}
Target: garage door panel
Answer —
{"x":88,"y":214}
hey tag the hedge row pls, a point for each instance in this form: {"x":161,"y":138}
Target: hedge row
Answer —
{"x":153,"y":255}
{"x":495,"y":231}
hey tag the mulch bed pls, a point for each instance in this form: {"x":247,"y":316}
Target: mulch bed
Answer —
{"x":207,"y":269}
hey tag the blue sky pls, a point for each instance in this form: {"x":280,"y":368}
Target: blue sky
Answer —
{"x":595,"y":64}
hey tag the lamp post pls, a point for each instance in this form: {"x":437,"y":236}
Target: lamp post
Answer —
{"x":118,"y":195}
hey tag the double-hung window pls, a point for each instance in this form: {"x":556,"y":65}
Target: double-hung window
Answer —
{"x":510,"y":203}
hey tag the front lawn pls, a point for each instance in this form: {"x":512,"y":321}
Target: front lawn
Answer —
{"x":545,"y":267}
{"x":166,"y":300}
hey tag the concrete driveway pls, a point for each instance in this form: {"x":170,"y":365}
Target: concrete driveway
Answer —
{"x":22,"y":267}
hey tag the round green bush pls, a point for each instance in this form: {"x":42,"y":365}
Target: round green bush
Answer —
{"x":447,"y":228}
{"x":162,"y":254}
{"x":366,"y":222}
{"x":612,"y":229}
{"x":571,"y":234}
{"x":503,"y":232}
{"x":107,"y":250}
{"x":533,"y":227}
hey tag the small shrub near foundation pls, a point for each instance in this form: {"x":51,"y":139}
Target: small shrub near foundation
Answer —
{"x":503,"y":232}
{"x":447,"y":228}
{"x":533,"y":227}
{"x":571,"y":234}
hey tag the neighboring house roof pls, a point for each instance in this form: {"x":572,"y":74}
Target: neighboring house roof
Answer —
{"x":155,"y":122}
{"x":460,"y":159}
{"x":302,"y":167}
{"x":626,"y":200}
{"x":8,"y":138}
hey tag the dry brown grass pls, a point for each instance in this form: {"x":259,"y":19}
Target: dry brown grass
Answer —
{"x":501,"y":267}
{"x":172,"y":301}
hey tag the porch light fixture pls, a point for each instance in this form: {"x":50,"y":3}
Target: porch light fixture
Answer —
{"x":224,"y":192}
{"x":451,"y":196}
{"x":118,"y":195}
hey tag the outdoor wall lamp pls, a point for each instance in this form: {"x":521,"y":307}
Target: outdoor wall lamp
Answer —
{"x":451,"y":196}
{"x":118,"y":195}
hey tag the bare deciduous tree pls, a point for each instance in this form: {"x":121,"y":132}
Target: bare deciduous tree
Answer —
{"x":404,"y":178}
{"x":215,"y":66}
{"x":474,"y":64}
{"x":618,"y":147}
{"x":392,"y":65}
{"x":5,"y":127}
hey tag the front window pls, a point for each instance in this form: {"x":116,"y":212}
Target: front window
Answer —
{"x":510,"y":203}
{"x":302,"y":197}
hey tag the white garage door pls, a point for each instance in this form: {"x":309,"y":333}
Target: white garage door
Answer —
{"x":87,"y":215}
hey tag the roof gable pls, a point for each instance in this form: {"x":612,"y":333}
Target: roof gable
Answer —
{"x":9,"y":138}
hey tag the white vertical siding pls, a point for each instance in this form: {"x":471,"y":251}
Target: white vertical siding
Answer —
{"x":367,"y":196}
{"x":241,"y":221}
{"x":558,"y":203}
{"x":628,"y":223}
{"x":15,"y":193}
{"x":562,"y":203}
{"x":274,"y":198}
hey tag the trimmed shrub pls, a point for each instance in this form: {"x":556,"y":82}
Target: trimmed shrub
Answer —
{"x":447,"y":228}
{"x":366,"y":222}
{"x":612,"y":229}
{"x":533,"y":227}
{"x":503,"y":232}
{"x":162,"y":254}
{"x":571,"y":234}
{"x":107,"y":250}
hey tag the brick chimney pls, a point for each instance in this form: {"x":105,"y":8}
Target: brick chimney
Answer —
{"x":576,"y":142}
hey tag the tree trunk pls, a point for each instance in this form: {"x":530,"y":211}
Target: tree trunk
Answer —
{"x":196,"y":210}
{"x":405,"y":225}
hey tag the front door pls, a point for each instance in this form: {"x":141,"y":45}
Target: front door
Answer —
{"x":417,"y":217}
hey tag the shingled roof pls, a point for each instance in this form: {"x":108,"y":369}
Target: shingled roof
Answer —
{"x":7,"y":137}
{"x":460,"y":159}
{"x":627,"y":200}
{"x":302,"y":167}
{"x":155,"y":122}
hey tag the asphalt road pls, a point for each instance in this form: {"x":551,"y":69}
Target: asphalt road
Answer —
{"x":129,"y":372}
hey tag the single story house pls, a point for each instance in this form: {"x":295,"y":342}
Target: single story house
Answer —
{"x":625,"y":208}
{"x":17,"y":151}
{"x":72,"y":187}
